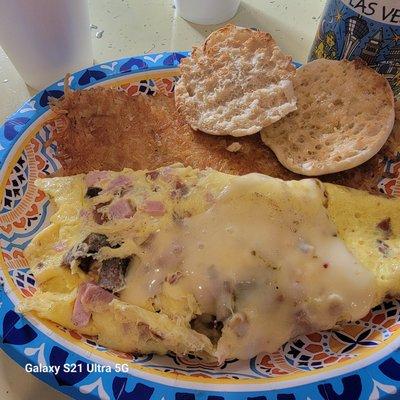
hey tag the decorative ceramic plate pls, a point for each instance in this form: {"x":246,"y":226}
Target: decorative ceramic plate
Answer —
{"x":361,"y":361}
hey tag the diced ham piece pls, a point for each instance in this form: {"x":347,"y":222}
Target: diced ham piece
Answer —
{"x":118,"y":182}
{"x":84,"y":213}
{"x":88,"y":297}
{"x":94,"y":177}
{"x":121,"y":208}
{"x":95,"y":296}
{"x":154,"y":208}
{"x":60,"y":246}
{"x":80,"y":317}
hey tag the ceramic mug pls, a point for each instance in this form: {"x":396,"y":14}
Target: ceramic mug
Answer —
{"x":365,"y":29}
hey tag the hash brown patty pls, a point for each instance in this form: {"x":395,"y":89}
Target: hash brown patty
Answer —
{"x":106,"y":129}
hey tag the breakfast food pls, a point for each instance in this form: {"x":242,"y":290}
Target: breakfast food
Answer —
{"x":236,"y":83}
{"x":345,"y":113}
{"x":198,"y":261}
{"x":368,"y":176}
{"x":146,"y":132}
{"x":207,"y":263}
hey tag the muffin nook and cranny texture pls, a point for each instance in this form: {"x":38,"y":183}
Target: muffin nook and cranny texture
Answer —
{"x":326,"y":117}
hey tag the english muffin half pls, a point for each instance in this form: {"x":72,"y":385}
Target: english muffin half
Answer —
{"x":345,"y":113}
{"x":236,"y":83}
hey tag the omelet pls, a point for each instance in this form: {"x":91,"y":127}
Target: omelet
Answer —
{"x":202,"y":262}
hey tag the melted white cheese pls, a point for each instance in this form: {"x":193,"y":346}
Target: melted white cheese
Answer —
{"x":265,"y":259}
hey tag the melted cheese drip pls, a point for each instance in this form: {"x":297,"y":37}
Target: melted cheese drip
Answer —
{"x":265,"y":259}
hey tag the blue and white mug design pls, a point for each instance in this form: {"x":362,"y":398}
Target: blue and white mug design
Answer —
{"x":365,"y":29}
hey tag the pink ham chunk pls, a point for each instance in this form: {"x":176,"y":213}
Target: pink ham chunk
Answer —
{"x":60,"y":245}
{"x":89,"y":296}
{"x":95,"y":296}
{"x":121,"y":208}
{"x":154,"y":208}
{"x":94,"y":177}
{"x":119,"y":182}
{"x":80,"y":317}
